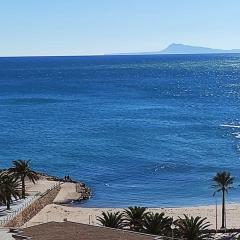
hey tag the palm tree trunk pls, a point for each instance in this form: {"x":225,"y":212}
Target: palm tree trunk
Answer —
{"x":223,"y":208}
{"x":8,"y":205}
{"x":23,"y":187}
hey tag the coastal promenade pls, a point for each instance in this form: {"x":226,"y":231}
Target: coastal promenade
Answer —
{"x":34,"y":192}
{"x":45,"y":191}
{"x":5,"y":235}
{"x":17,"y":207}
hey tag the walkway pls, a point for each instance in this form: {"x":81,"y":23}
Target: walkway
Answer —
{"x":5,"y":235}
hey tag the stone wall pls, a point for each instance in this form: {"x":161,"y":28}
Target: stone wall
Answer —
{"x":34,"y":208}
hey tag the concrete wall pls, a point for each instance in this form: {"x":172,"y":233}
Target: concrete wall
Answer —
{"x":34,"y":208}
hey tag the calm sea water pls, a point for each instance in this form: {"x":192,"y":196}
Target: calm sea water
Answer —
{"x":139,"y":130}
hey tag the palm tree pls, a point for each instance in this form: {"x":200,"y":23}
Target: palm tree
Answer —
{"x":112,"y":220}
{"x":223,"y":182}
{"x":157,"y":224}
{"x":192,"y":228}
{"x":135,"y":217}
{"x":9,"y":189}
{"x":21,"y":170}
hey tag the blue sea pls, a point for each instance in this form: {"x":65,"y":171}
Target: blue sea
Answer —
{"x":139,"y":130}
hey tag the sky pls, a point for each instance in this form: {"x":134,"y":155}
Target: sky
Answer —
{"x":92,"y":27}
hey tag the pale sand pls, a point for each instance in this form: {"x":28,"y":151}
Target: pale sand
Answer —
{"x":40,"y":186}
{"x":67,"y":194}
{"x":58,"y":213}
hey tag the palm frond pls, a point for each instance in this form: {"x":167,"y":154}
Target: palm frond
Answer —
{"x":112,"y":220}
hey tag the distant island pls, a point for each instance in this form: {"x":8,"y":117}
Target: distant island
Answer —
{"x":185,"y":49}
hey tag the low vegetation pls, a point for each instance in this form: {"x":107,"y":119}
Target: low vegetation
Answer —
{"x":158,"y":224}
{"x":112,"y":220}
{"x":138,"y":219}
{"x":135,"y":217}
{"x":192,"y":228}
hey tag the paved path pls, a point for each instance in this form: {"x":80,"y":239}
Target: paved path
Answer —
{"x":16,"y":207}
{"x":33,"y":191}
{"x":5,"y":235}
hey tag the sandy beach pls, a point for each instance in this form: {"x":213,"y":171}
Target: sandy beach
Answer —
{"x":70,"y":192}
{"x":58,"y":213}
{"x":55,"y":210}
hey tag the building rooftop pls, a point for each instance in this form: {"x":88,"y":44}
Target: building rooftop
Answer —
{"x":78,"y":231}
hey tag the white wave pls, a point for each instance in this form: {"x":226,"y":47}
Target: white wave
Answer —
{"x":230,"y":126}
{"x":237,"y":134}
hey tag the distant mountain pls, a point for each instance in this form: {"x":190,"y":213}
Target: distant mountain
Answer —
{"x":186,"y":49}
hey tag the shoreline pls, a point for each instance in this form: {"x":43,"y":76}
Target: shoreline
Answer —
{"x":84,"y":204}
{"x":70,"y":190}
{"x":65,"y":206}
{"x":82,"y":191}
{"x":59,"y":211}
{"x":74,"y":202}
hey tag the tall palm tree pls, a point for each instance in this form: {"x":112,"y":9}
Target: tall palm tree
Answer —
{"x":135,"y":217}
{"x":9,"y":189}
{"x":112,"y":220}
{"x":157,"y":224}
{"x":191,"y":228}
{"x":223,"y":182}
{"x":22,"y":170}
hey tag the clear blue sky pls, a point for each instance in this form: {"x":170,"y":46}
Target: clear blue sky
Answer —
{"x":82,"y":27}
